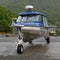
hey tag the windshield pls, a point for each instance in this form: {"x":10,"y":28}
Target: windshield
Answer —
{"x":29,"y":18}
{"x":35,"y":20}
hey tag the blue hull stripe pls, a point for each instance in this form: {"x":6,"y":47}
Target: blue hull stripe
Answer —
{"x":30,"y":23}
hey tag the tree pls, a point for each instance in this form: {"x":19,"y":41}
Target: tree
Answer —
{"x":5,"y":19}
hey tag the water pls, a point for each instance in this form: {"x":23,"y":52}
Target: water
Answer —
{"x":38,"y":50}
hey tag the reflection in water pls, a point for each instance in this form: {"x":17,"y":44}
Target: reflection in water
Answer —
{"x":43,"y":49}
{"x":36,"y":48}
{"x":54,"y":50}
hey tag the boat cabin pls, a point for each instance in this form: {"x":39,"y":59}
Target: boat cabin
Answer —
{"x":32,"y":19}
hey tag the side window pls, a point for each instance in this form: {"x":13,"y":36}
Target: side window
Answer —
{"x":24,"y":18}
{"x":40,"y":18}
{"x":45,"y":21}
{"x":19,"y":18}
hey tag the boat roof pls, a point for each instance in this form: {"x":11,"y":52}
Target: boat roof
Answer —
{"x":32,"y":13}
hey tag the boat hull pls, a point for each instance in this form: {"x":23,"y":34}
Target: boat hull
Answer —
{"x":31,"y":33}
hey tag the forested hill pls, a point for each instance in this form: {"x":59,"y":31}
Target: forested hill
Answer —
{"x":50,"y":7}
{"x":6,"y":19}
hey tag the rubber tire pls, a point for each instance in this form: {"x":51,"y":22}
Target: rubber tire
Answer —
{"x":48,"y":40}
{"x":19,"y":49}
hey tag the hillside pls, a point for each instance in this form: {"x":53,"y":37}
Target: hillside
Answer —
{"x":5,"y":19}
{"x":50,"y":7}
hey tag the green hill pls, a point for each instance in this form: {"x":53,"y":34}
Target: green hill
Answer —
{"x":50,"y":7}
{"x":5,"y":19}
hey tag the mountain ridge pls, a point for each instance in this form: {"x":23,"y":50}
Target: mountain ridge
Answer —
{"x":49,"y":7}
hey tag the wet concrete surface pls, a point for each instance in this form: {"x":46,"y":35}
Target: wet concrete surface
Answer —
{"x":39,"y":50}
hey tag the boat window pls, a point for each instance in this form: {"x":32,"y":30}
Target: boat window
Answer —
{"x":45,"y":21}
{"x":19,"y":19}
{"x":31,"y":18}
{"x":40,"y":18}
{"x":24,"y":19}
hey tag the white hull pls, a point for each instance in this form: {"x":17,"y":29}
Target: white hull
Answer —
{"x":30,"y":33}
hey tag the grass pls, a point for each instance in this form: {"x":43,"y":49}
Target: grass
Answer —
{"x":57,"y":33}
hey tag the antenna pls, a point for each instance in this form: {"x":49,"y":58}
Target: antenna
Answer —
{"x":29,"y":7}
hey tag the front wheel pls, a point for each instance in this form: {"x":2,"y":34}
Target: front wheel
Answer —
{"x":20,"y":49}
